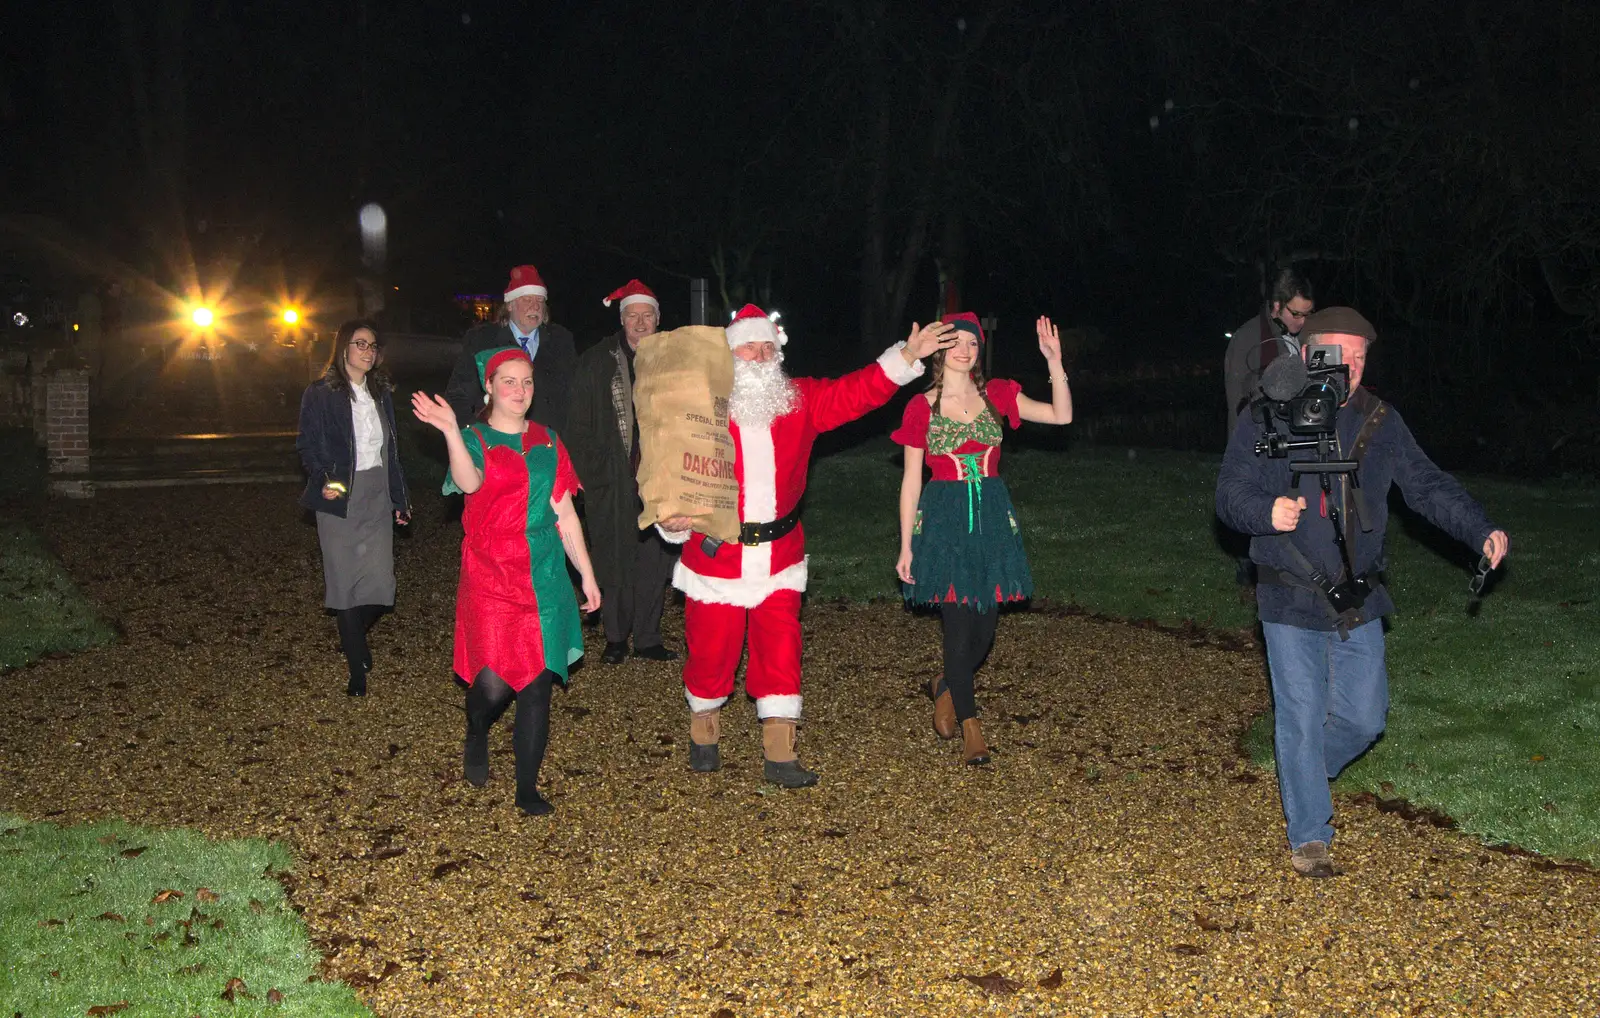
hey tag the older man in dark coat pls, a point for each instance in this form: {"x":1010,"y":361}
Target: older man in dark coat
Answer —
{"x":526,"y":325}
{"x":602,"y":437}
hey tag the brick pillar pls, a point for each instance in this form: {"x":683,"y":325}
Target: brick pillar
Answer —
{"x":67,"y":432}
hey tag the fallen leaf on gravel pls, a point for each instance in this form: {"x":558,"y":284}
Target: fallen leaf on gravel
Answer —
{"x":134,"y":853}
{"x":234,"y":990}
{"x":162,"y":897}
{"x":274,"y":996}
{"x":206,"y":894}
{"x":570,"y":977}
{"x":723,"y":1012}
{"x":1187,"y":950}
{"x":389,"y":852}
{"x":1205,"y":922}
{"x":111,"y":916}
{"x":104,"y":1009}
{"x":650,"y":952}
{"x":1051,"y":981}
{"x":444,"y":869}
{"x":992,"y":982}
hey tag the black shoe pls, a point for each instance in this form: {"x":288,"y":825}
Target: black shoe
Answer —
{"x":655,"y":653}
{"x":614,"y":653}
{"x":534,"y":804}
{"x":788,"y":775}
{"x":357,"y":685}
{"x":704,"y":759}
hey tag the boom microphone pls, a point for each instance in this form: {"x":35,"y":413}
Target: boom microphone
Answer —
{"x":1283,"y":379}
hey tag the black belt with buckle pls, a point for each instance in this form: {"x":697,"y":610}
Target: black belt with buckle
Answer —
{"x":752,"y":534}
{"x":763,"y":533}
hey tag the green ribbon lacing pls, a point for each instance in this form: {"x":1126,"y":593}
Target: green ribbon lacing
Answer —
{"x":972,"y":468}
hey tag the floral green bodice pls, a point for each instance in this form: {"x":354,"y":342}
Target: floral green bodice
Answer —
{"x":946,"y":434}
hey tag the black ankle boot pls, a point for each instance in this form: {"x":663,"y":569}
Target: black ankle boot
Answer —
{"x":528,"y":740}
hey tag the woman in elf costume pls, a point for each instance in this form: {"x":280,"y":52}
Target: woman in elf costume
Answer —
{"x":517,"y":622}
{"x":960,"y":547}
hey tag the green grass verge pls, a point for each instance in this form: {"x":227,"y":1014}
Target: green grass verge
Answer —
{"x":41,"y":610}
{"x":83,"y":925}
{"x":1494,"y":719}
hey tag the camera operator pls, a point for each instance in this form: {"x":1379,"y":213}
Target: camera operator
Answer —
{"x":1318,"y":546}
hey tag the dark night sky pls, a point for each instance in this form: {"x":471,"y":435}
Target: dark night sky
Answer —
{"x":608,"y":139}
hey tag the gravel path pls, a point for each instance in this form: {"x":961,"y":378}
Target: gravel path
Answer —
{"x":1119,"y":858}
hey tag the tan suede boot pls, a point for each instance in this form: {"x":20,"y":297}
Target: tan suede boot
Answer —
{"x":973,"y":749}
{"x":944,"y":710}
{"x":705,"y":731}
{"x":782,"y":765}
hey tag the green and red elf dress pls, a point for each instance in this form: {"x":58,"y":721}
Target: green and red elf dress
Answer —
{"x":966,"y":547}
{"x":516,"y":613}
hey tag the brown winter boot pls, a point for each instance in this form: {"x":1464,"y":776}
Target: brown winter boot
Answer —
{"x":782,"y":766}
{"x":973,"y":749}
{"x":944,"y":710}
{"x":705,"y":731}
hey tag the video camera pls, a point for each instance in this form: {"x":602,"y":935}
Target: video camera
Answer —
{"x":1307,"y":395}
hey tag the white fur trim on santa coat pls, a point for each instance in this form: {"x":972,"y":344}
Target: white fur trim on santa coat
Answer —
{"x":785,"y":706}
{"x":753,"y":330}
{"x":894,"y":365}
{"x":671,"y":537}
{"x":740,"y":593}
{"x":700,"y":704}
{"x":759,"y":488}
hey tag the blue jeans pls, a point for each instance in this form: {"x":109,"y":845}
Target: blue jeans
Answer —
{"x":1330,"y":697}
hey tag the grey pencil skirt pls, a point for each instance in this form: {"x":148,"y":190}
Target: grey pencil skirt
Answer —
{"x":358,"y":550}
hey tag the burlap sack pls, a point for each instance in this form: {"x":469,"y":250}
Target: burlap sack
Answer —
{"x":681,"y":382}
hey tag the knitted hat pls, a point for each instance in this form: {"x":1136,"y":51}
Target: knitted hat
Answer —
{"x":492,"y":358}
{"x":966,"y":321}
{"x":751,"y":325}
{"x":525,"y":282}
{"x":1340,"y":321}
{"x":633,"y":293}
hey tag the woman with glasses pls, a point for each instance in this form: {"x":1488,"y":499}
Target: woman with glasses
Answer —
{"x":355,"y":486}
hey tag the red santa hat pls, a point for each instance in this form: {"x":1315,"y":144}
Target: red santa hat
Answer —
{"x":966,"y":321}
{"x":525,"y":282}
{"x":634,"y":292}
{"x":751,"y":325}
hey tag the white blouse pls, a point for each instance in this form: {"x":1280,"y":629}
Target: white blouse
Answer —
{"x":369,"y":430}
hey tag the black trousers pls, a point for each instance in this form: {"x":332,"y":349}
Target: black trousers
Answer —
{"x":635,"y":607}
{"x":968,"y":635}
{"x":487,"y":698}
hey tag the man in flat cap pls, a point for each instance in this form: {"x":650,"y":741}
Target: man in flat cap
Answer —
{"x":1318,"y":551}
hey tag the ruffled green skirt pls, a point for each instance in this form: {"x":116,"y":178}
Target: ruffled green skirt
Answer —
{"x":966,"y":547}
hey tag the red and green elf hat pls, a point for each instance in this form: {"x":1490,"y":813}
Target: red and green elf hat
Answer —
{"x":966,"y":321}
{"x":492,"y":358}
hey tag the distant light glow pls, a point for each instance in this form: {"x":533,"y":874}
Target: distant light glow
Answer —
{"x":21,"y":320}
{"x":290,"y":316}
{"x":374,"y":221}
{"x":74,"y":326}
{"x":202,"y":317}
{"x":1155,"y":122}
{"x":1227,"y":335}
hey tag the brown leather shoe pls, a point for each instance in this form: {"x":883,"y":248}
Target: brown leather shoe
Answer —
{"x":973,"y":749}
{"x":1312,"y":860}
{"x":944,"y":710}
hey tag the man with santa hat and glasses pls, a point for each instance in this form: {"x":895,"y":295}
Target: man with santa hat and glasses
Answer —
{"x":751,"y":589}
{"x":525,"y":324}
{"x":602,"y":436}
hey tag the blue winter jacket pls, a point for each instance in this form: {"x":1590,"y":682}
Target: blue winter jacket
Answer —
{"x":1248,"y":484}
{"x":327,"y":446}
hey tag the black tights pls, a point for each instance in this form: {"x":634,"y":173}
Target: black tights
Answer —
{"x":353,"y":626}
{"x":487,"y":698}
{"x":968,"y":635}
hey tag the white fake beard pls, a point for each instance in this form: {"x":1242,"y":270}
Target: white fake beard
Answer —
{"x":761,"y":392}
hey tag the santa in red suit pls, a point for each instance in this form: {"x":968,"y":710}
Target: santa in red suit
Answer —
{"x":750,"y":590}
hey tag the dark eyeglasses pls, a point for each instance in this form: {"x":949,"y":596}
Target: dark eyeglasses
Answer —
{"x":1292,"y":313}
{"x":1480,"y":577}
{"x":365,"y":345}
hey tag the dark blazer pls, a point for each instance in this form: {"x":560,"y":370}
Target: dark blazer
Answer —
{"x":552,"y":373}
{"x":1248,"y":484}
{"x":600,"y":455}
{"x":327,"y":446}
